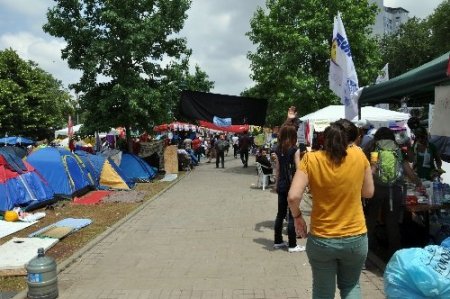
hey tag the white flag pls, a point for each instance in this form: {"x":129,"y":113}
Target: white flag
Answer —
{"x":384,"y":75}
{"x":342,"y":76}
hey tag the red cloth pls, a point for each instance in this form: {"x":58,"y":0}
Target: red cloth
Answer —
{"x":232,"y":128}
{"x":92,"y":197}
{"x":196,"y":143}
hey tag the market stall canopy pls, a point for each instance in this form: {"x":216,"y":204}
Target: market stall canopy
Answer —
{"x":368,"y":113}
{"x":65,"y":131}
{"x":176,"y":126}
{"x":224,"y":109}
{"x":232,"y":128}
{"x":417,"y":84}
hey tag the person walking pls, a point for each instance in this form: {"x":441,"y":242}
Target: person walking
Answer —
{"x":221,"y":145}
{"x":244,"y":145}
{"x":235,"y":143}
{"x":337,"y":176}
{"x":288,"y":156}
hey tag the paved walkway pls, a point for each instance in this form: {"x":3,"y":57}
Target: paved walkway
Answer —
{"x":209,"y":236}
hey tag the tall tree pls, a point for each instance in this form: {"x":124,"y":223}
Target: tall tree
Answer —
{"x":407,"y":48}
{"x":417,"y":41}
{"x":32,"y":102}
{"x":439,"y":23}
{"x":127,"y":51}
{"x":291,"y":62}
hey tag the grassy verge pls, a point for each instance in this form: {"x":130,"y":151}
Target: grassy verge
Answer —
{"x":103,"y":216}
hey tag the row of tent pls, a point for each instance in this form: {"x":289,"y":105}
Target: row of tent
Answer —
{"x":51,"y":173}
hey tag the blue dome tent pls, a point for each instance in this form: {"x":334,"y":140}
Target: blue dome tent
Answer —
{"x":64,"y":171}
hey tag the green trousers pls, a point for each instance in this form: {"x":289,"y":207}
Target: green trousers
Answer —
{"x":336,"y":260}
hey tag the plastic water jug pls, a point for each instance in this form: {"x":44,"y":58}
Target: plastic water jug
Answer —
{"x":42,"y":277}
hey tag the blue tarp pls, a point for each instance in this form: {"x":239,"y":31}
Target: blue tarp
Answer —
{"x":16,"y":140}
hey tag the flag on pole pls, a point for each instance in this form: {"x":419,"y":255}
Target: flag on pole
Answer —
{"x":343,"y":78}
{"x":384,"y":74}
{"x":70,"y":127}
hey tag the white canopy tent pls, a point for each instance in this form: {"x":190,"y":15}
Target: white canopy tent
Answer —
{"x":368,"y":113}
{"x":65,"y":131}
{"x":373,"y":116}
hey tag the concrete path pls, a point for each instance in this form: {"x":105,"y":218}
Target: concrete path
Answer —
{"x":209,"y":236}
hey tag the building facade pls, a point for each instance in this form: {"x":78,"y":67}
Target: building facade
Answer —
{"x":388,"y":19}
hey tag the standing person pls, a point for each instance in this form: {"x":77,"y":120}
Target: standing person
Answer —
{"x":244,"y":146}
{"x":288,"y":156}
{"x":427,"y":158}
{"x":235,"y":143}
{"x":211,"y":148}
{"x":387,"y":199}
{"x":337,"y":176}
{"x":221,"y":145}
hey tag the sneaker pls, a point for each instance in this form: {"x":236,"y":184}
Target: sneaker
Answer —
{"x":297,"y":248}
{"x":279,"y":245}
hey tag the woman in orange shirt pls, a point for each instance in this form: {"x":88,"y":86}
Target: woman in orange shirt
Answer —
{"x":338,"y":176}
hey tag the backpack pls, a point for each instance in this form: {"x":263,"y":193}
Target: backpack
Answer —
{"x":221,"y":145}
{"x":389,"y":165}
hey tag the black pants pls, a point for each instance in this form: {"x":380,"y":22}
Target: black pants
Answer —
{"x":380,"y":205}
{"x":235,"y":150}
{"x":278,"y":226}
{"x":220,"y":155}
{"x":244,"y":157}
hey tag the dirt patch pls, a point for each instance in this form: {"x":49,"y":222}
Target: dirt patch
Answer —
{"x":116,"y":206}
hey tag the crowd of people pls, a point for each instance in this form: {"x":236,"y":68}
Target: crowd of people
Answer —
{"x":352,"y":191}
{"x":195,"y":146}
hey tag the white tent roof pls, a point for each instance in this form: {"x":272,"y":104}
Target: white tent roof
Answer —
{"x":64,"y":131}
{"x":368,"y":113}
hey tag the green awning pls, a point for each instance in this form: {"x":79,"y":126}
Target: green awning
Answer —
{"x":416,"y":84}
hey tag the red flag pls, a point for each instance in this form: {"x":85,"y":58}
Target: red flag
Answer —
{"x":70,"y":127}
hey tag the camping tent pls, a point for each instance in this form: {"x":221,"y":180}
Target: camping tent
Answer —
{"x":106,"y":174}
{"x":20,"y":184}
{"x":136,"y":168}
{"x":65,"y":172}
{"x":65,"y":131}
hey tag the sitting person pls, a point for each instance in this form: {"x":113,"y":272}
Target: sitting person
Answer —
{"x":262,"y":159}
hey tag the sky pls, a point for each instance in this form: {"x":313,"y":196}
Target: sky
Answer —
{"x":215,"y":31}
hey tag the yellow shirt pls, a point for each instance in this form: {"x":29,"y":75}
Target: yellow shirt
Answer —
{"x":336,"y":193}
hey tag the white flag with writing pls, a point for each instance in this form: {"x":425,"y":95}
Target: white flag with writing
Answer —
{"x":384,"y":75}
{"x":343,"y":78}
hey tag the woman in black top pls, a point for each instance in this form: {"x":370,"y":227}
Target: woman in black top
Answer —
{"x":288,"y":157}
